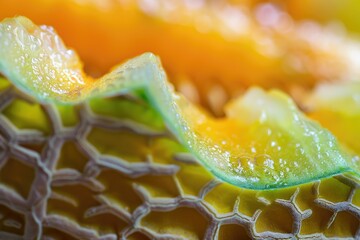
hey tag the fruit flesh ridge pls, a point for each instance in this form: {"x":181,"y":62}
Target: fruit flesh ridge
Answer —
{"x":66,"y":83}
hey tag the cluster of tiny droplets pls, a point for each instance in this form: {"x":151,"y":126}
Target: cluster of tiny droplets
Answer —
{"x":25,"y":47}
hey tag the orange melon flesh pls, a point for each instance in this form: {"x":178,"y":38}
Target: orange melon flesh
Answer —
{"x":226,"y":55}
{"x":264,"y":142}
{"x":337,"y":107}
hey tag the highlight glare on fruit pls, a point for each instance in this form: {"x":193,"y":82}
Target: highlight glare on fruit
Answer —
{"x":265,"y":141}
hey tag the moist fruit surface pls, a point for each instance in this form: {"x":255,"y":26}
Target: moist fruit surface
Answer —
{"x":113,"y":167}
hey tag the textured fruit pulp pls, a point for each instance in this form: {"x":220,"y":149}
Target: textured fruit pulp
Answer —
{"x":190,"y":179}
{"x":219,"y":64}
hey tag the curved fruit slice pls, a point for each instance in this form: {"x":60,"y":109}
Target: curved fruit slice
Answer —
{"x":231,"y":46}
{"x":264,"y":143}
{"x":337,"y":107}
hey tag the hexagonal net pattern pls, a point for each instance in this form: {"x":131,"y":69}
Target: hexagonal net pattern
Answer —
{"x":100,"y":171}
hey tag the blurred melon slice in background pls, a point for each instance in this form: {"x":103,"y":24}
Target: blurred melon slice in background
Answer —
{"x":231,"y":46}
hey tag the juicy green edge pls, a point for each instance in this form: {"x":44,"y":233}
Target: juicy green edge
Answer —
{"x":165,"y":102}
{"x":145,"y":72}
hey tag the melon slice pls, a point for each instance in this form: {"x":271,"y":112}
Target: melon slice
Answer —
{"x":264,"y":142}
